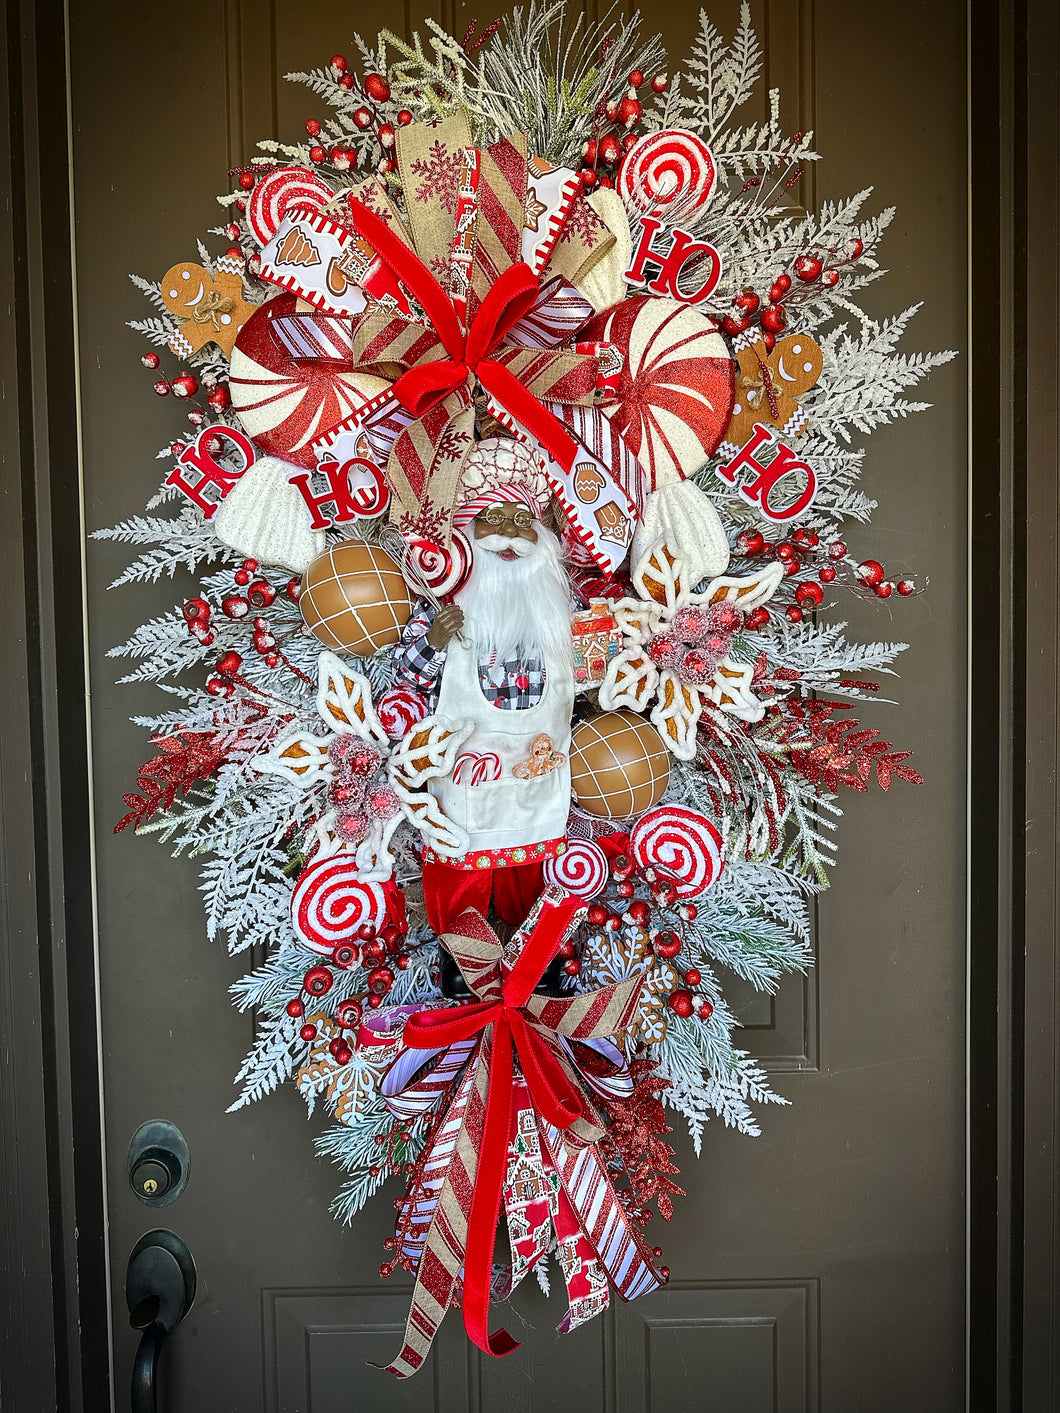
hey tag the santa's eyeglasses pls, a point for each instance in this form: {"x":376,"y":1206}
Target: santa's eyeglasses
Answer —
{"x":522,"y":519}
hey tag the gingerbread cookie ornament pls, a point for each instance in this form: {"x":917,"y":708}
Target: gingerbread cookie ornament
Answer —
{"x":768,"y":385}
{"x":542,"y":759}
{"x":212,"y":306}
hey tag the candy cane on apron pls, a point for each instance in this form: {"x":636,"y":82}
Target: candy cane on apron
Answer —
{"x":520,"y":806}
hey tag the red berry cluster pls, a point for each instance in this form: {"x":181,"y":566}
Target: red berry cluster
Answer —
{"x":186,"y":385}
{"x":810,"y":268}
{"x":381,"y":952}
{"x":801,"y":553}
{"x":637,"y":912}
{"x":257,"y":593}
{"x":612,"y":134}
{"x":366,"y":117}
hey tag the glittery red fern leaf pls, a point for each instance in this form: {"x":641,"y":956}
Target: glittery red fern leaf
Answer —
{"x":635,"y":1140}
{"x":181,"y":761}
{"x":830,"y":751}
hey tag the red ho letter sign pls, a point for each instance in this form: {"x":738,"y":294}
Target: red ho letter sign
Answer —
{"x":669,"y":263}
{"x":785,"y":463}
{"x":210,"y":472}
{"x":356,"y":489}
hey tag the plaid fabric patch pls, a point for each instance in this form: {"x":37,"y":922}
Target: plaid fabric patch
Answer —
{"x":511,"y":686}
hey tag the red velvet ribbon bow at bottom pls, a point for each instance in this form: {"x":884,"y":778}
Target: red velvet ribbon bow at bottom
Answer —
{"x":506,"y":1082}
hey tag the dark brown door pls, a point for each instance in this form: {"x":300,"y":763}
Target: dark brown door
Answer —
{"x":819,"y":1267}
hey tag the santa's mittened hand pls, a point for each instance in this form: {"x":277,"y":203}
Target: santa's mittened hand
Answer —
{"x":447,"y":623}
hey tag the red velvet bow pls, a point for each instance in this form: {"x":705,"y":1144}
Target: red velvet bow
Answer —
{"x":509,"y":298}
{"x":556,"y":1097}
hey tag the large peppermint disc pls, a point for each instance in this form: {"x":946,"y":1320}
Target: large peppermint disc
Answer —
{"x":675,"y":392}
{"x":680,"y":843}
{"x":286,"y":186}
{"x":330,"y":902}
{"x":284,"y":402}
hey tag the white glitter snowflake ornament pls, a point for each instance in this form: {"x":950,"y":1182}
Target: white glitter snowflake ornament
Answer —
{"x":370,"y":787}
{"x":676,"y":648}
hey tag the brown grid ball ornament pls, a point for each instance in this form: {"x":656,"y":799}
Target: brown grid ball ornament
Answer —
{"x":618,"y":765}
{"x":354,"y":598}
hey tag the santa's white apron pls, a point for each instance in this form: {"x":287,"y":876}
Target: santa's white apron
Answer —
{"x":509,"y":811}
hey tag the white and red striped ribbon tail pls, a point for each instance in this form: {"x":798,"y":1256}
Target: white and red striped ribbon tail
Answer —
{"x":437,"y":1166}
{"x":618,"y":1084}
{"x":406,"y":1099}
{"x":313,"y":336}
{"x":554,"y":318}
{"x":622,"y":1250}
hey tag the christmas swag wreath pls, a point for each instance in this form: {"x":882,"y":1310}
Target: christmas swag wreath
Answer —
{"x":508,"y":711}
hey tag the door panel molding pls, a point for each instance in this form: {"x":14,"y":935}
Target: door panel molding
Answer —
{"x":741,"y":1344}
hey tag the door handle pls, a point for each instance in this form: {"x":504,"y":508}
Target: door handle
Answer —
{"x":159,"y":1291}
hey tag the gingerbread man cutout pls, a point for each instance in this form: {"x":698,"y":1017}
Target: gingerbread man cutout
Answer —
{"x":542,"y":759}
{"x":767,"y":385}
{"x":214,"y":308}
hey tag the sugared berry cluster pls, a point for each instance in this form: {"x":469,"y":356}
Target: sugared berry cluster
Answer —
{"x":695,"y":641}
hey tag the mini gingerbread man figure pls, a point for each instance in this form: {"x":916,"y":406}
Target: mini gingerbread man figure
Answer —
{"x":542,"y":759}
{"x":767,"y":385}
{"x":213,"y":307}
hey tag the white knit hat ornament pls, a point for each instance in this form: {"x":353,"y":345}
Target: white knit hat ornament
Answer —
{"x":264,"y":517}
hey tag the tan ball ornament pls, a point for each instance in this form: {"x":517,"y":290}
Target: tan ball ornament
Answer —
{"x":354,"y":598}
{"x":618,"y":765}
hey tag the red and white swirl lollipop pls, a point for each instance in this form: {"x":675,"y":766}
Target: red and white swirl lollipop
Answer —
{"x":581,"y":871}
{"x":442,"y":571}
{"x":330,"y":902}
{"x":681,"y":844}
{"x":399,"y":709}
{"x":667,"y":174}
{"x":281,"y":189}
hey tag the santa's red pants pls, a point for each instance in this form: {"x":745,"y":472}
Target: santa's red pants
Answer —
{"x":448,"y":891}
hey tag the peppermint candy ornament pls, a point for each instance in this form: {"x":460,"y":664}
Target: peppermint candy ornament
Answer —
{"x":437,"y":569}
{"x":286,"y":402}
{"x":286,"y":186}
{"x":400,"y":709}
{"x":331,"y":901}
{"x":667,"y":174}
{"x":581,"y":871}
{"x":680,"y":843}
{"x":674,"y":396}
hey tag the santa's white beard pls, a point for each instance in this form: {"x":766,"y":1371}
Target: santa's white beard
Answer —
{"x":518,"y":609}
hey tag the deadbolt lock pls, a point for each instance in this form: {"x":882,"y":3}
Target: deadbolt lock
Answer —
{"x":158,"y":1163}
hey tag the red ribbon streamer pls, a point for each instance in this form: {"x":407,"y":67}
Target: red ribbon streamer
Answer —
{"x":555,"y":1097}
{"x":509,"y":298}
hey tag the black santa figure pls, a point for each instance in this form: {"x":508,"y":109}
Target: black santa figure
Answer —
{"x":500,"y":657}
